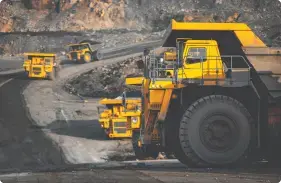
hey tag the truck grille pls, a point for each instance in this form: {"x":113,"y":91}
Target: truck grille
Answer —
{"x":120,"y":124}
{"x":155,"y":106}
{"x":36,"y":70}
{"x":120,"y":127}
{"x":120,"y":130}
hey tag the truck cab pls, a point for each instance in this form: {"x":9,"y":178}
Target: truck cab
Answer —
{"x":200,"y":59}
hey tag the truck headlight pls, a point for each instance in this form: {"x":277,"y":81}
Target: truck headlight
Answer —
{"x":134,"y":119}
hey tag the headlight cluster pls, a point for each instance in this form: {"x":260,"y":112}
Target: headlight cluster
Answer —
{"x":134,"y":119}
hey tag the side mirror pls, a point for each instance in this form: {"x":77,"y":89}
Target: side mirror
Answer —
{"x":124,"y":99}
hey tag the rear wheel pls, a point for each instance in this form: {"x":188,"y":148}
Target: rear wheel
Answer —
{"x":214,"y":131}
{"x":140,"y":152}
{"x":98,"y":55}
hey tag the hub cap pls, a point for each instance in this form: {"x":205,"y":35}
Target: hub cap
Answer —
{"x":219,"y":133}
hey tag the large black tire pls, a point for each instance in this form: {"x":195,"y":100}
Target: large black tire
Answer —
{"x":199,"y":146}
{"x":140,"y":153}
{"x":98,"y":55}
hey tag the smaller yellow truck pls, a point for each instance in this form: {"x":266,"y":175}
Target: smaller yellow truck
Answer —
{"x":41,"y":65}
{"x":170,"y":55}
{"x":120,"y":118}
{"x":84,"y":52}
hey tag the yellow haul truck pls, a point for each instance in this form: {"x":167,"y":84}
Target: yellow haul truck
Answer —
{"x":41,"y":65}
{"x":120,"y":118}
{"x":85,"y":52}
{"x":222,"y":105}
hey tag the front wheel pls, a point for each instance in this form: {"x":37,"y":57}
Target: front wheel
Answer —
{"x":87,"y":57}
{"x":214,"y":131}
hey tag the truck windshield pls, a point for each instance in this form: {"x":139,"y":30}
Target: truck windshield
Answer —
{"x":77,"y":47}
{"x":196,"y":55}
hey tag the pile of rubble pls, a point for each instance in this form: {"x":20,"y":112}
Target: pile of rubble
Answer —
{"x":108,"y":81}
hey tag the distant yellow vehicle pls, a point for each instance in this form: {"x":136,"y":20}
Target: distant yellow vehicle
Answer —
{"x":170,"y":55}
{"x":41,"y":65}
{"x":120,"y":118}
{"x":84,"y":52}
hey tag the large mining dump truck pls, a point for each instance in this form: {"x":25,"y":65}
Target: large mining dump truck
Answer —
{"x":221,"y":106}
{"x":85,"y":51}
{"x":41,"y":65}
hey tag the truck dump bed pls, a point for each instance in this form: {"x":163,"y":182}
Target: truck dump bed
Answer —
{"x":267,"y":62}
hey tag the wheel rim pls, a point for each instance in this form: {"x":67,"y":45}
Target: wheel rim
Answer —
{"x":219,"y":133}
{"x":99,"y":56}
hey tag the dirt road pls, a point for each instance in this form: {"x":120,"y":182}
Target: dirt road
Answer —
{"x":150,"y":171}
{"x":21,"y":145}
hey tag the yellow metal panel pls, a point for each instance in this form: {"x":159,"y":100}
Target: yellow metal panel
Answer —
{"x":110,"y":101}
{"x":165,"y":104}
{"x":119,"y":119}
{"x":128,"y":134}
{"x":156,"y":96}
{"x":130,"y":113}
{"x":209,"y":26}
{"x":40,"y":54}
{"x":248,"y":38}
{"x":134,"y":81}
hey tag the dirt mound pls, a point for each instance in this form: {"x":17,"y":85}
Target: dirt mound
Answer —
{"x":108,"y":81}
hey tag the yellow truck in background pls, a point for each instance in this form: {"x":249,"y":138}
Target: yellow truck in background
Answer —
{"x":119,"y":118}
{"x":222,"y":104}
{"x":41,"y":65}
{"x":170,"y":55}
{"x":84,"y":52}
